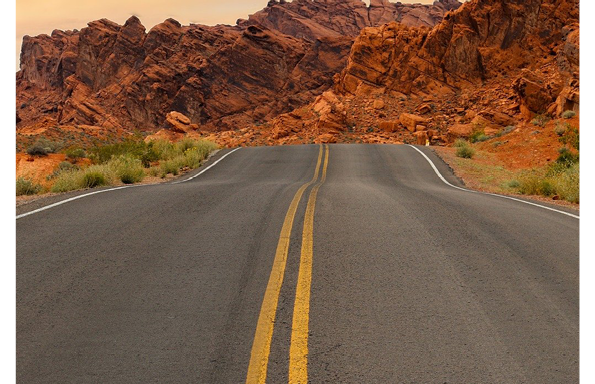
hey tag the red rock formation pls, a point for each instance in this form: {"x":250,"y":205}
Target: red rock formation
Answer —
{"x":482,"y":40}
{"x":486,"y":66}
{"x":220,"y":78}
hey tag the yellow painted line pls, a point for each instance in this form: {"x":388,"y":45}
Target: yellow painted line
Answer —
{"x":261,"y":347}
{"x":298,"y":351}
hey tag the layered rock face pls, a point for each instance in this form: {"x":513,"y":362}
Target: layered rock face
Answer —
{"x":482,"y":40}
{"x":123,"y":78}
{"x":331,"y":18}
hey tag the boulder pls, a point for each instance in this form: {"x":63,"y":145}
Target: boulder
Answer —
{"x":534,"y":96}
{"x":389,"y":126}
{"x":410,"y":121}
{"x":422,"y":137}
{"x":457,"y":131}
{"x":178,"y":122}
{"x":378,"y":104}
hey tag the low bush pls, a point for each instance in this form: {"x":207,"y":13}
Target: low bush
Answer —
{"x":561,"y":181}
{"x":90,"y":177}
{"x":567,"y":184}
{"x":478,"y":132}
{"x":568,"y":114}
{"x":137,"y":149}
{"x":93,"y":178}
{"x":460,"y":143}
{"x":75,"y":153}
{"x":25,"y":186}
{"x":43,"y":146}
{"x":465,"y":152}
{"x":571,"y":137}
{"x":482,"y":138}
{"x":171,"y":166}
{"x":128,"y":169}
{"x":560,"y":129}
{"x":67,"y":181}
{"x":566,"y":158}
{"x":534,"y":183}
{"x":37,"y":150}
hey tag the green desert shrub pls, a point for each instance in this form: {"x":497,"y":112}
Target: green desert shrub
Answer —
{"x":25,"y":186}
{"x":561,"y":181}
{"x":477,"y":134}
{"x":568,"y":114}
{"x":460,"y":143}
{"x":128,"y":169}
{"x":104,"y":153}
{"x":567,"y":184}
{"x":567,"y":158}
{"x":43,"y":146}
{"x":570,"y":137}
{"x":465,"y":151}
{"x":130,"y":161}
{"x":67,"y":181}
{"x":535,"y":183}
{"x":37,"y":150}
{"x":90,"y":177}
{"x":75,"y":153}
{"x":172,"y":166}
{"x":93,"y":178}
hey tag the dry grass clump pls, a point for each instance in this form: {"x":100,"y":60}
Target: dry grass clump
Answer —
{"x":26,"y":186}
{"x":464,"y":150}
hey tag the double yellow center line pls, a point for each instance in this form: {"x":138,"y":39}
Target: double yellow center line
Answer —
{"x":298,"y":352}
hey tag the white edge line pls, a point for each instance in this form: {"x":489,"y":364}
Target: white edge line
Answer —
{"x":207,"y":168}
{"x":488,"y":193}
{"x":115,"y":189}
{"x":69,"y":200}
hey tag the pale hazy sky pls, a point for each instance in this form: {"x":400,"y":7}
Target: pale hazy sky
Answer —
{"x":35,"y":17}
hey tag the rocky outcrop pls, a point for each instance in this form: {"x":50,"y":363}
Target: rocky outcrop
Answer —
{"x":482,"y":40}
{"x":487,"y":67}
{"x":123,"y":77}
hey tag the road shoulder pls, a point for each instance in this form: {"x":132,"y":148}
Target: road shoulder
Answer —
{"x":450,"y":171}
{"x":30,"y":203}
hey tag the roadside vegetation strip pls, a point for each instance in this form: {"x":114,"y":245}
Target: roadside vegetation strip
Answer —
{"x":488,"y":193}
{"x":207,"y":168}
{"x":298,"y":350}
{"x":126,"y":162}
{"x":113,"y":189}
{"x":261,"y":346}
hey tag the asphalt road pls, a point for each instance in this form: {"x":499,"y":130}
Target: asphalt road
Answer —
{"x":352,"y":264}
